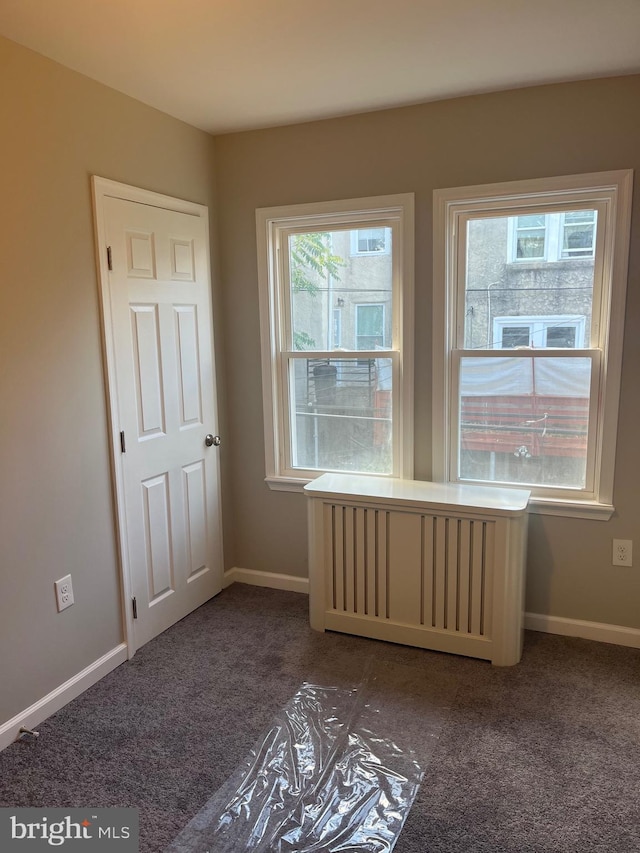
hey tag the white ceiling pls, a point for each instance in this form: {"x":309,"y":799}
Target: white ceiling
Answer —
{"x":225,"y":65}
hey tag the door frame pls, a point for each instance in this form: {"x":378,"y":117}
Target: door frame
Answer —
{"x":103,"y":188}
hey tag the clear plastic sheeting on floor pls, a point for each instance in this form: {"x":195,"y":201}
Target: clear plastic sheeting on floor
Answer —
{"x":326,"y":777}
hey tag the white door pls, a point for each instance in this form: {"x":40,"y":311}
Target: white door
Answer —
{"x":159,"y":339}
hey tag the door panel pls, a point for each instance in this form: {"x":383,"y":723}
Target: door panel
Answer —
{"x":188,"y":357}
{"x":163,"y":352}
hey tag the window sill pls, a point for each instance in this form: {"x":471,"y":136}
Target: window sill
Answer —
{"x":541,"y":263}
{"x":286,"y":484}
{"x":592,"y":510}
{"x":571,"y":509}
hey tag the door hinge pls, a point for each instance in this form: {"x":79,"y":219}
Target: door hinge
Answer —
{"x":109,"y":261}
{"x":123,"y":444}
{"x":134,"y":607}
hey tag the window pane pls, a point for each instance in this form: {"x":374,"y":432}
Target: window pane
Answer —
{"x":326,"y":277}
{"x":342,"y":414}
{"x":548,"y":291}
{"x":530,"y":244}
{"x":515,"y":336}
{"x":524,"y":420}
{"x":578,"y":240}
{"x":561,"y":336}
{"x":530,"y":236}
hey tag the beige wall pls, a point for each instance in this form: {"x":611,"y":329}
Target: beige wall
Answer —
{"x":56,"y":512}
{"x":527,"y":133}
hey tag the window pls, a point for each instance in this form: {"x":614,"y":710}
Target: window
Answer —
{"x":369,"y":241}
{"x":530,"y":237}
{"x":545,"y":331}
{"x":370,"y":327}
{"x":578,"y":233}
{"x":551,"y":237}
{"x":336,"y":338}
{"x":337,"y":327}
{"x":527,"y":353}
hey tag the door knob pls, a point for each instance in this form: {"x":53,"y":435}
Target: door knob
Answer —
{"x":212,"y":440}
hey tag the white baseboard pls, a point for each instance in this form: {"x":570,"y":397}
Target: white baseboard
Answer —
{"x":268,"y":579}
{"x":598,"y":631}
{"x":62,"y":695}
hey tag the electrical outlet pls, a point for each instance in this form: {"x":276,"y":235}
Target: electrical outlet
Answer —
{"x":64,"y":593}
{"x":622,"y":552}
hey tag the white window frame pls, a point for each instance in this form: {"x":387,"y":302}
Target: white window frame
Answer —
{"x":273,"y":226}
{"x":610,"y":194}
{"x":357,"y":252}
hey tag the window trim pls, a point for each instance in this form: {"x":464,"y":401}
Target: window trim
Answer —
{"x":613,"y":191}
{"x":271,"y":225}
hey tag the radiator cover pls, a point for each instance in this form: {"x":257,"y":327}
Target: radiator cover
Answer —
{"x":433,"y":565}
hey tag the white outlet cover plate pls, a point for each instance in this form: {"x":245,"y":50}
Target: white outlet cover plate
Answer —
{"x":64,"y":593}
{"x":622,"y":552}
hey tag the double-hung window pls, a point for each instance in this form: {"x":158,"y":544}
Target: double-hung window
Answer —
{"x":336,"y":295}
{"x":529,"y":291}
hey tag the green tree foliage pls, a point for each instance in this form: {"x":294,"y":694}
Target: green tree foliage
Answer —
{"x":311,"y":254}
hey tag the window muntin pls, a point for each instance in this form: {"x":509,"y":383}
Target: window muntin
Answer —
{"x":336,"y":338}
{"x":463,"y":331}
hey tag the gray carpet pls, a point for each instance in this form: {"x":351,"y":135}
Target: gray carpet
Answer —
{"x":543,"y":757}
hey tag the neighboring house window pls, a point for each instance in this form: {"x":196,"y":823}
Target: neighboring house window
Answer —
{"x":578,"y":234}
{"x":369,"y":241}
{"x":337,"y":328}
{"x":551,"y":237}
{"x":336,"y":333}
{"x":530,"y":237}
{"x":527,"y":356}
{"x":550,"y":331}
{"x":369,"y":327}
